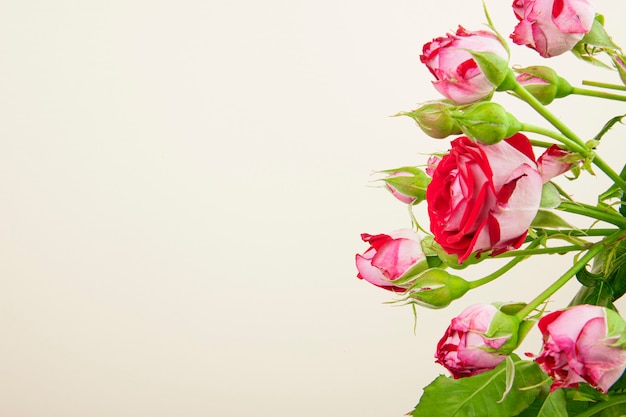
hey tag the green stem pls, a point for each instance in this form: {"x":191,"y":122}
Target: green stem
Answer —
{"x":567,"y":132}
{"x":582,"y":233}
{"x":614,"y":399}
{"x":556,"y":285}
{"x":540,"y":143}
{"x":604,"y":85}
{"x":546,"y":114}
{"x":542,"y":251}
{"x":595,"y":93}
{"x":556,"y":136}
{"x":617,"y":179}
{"x":593,"y":212}
{"x":506,"y":268}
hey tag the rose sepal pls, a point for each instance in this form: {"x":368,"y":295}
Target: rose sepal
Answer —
{"x":435,"y":288}
{"x":495,"y":68}
{"x":434,"y":119}
{"x":616,"y":328}
{"x":505,"y":324}
{"x":543,"y":83}
{"x":486,"y":122}
{"x":407,"y":183}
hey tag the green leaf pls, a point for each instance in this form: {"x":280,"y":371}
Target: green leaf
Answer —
{"x":598,"y":37}
{"x":595,"y":42}
{"x":473,"y":396}
{"x":608,"y":125}
{"x":550,"y":196}
{"x":554,"y":405}
{"x":586,"y":392}
{"x":599,"y":295}
{"x":618,"y":410}
{"x":612,"y":192}
{"x":549,"y":220}
{"x":510,"y":377}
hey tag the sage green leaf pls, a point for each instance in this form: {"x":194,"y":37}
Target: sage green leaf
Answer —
{"x":479,"y":395}
{"x":549,"y":220}
{"x":597,"y":36}
{"x":550,"y":197}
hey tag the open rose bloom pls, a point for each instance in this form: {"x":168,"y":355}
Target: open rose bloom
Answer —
{"x":389,"y":256}
{"x":484,"y":197}
{"x":582,"y":344}
{"x":458,"y":76}
{"x":552,"y":27}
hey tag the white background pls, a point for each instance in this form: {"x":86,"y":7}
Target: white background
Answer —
{"x":183,"y":187}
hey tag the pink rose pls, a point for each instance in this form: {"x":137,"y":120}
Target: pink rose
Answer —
{"x":552,"y":27}
{"x":464,"y":350}
{"x":484,"y":197}
{"x":551,"y":163}
{"x":389,"y":256}
{"x":459,"y":77}
{"x":577,"y":347}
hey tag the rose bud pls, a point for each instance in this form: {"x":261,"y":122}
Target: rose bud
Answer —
{"x":458,"y":75}
{"x":435,"y":288}
{"x":389,"y":256}
{"x":407,"y":184}
{"x":435,"y":120}
{"x":483,"y":198}
{"x":477,"y":340}
{"x":543,"y":83}
{"x":553,"y":162}
{"x":487,"y":122}
{"x":584,"y":343}
{"x":552,"y":27}
{"x":619,"y":62}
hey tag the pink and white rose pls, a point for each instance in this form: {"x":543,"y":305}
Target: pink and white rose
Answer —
{"x":578,"y":347}
{"x":389,"y":256}
{"x":465,"y":350}
{"x":552,"y":27}
{"x":553,"y":163}
{"x":458,"y":76}
{"x":484,"y":197}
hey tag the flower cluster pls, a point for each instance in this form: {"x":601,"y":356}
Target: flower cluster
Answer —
{"x":488,"y":196}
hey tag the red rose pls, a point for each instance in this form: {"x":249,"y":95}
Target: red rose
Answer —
{"x":484,"y":197}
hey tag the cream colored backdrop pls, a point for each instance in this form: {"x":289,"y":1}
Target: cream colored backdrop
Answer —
{"x":183,"y":185}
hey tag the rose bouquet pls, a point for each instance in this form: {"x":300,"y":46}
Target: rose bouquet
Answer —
{"x":497,"y":193}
